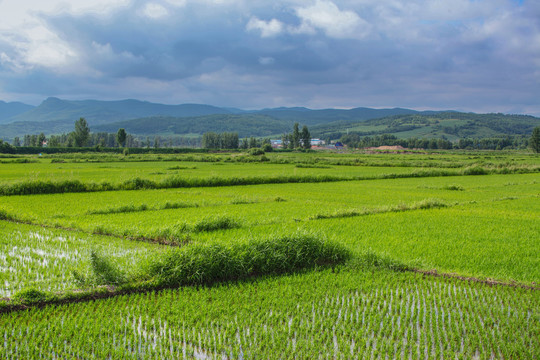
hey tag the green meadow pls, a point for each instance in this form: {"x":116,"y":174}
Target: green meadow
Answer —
{"x":286,"y":255}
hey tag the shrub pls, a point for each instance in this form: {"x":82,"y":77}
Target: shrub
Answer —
{"x":256,"y":151}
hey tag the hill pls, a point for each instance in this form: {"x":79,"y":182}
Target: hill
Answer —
{"x":102,"y":112}
{"x":11,"y":109}
{"x":56,"y":116}
{"x":245,"y":125}
{"x":450,"y":125}
{"x":312,"y":117}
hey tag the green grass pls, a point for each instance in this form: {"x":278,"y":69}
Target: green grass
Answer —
{"x":252,"y":260}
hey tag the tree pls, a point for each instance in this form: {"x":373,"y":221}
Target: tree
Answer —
{"x":211,"y":140}
{"x":81,"y":133}
{"x":41,"y":139}
{"x":534,"y":142}
{"x":121,"y":136}
{"x":285,"y":141}
{"x":296,"y":136}
{"x":305,"y":136}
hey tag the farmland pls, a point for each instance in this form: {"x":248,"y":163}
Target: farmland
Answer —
{"x":306,"y":255}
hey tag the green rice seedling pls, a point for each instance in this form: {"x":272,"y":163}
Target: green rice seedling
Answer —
{"x":323,"y":314}
{"x":312,"y":166}
{"x":242,"y":201}
{"x":34,"y":257}
{"x":368,"y":259}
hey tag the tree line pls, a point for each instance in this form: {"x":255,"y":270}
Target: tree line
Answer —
{"x":81,"y":136}
{"x":508,"y":142}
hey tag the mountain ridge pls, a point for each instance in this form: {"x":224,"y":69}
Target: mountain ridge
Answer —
{"x":143,"y":118}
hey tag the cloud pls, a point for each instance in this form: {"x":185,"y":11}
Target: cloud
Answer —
{"x":267,"y":28}
{"x":154,"y":11}
{"x":325,"y":15}
{"x":320,"y":53}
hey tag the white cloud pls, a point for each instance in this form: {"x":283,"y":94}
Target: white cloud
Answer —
{"x":37,"y":47}
{"x":325,"y":15}
{"x":154,"y":11}
{"x":270,"y":28}
{"x":177,"y":3}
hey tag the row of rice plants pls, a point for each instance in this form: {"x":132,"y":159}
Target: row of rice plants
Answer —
{"x":39,"y":186}
{"x":498,"y":236}
{"x":303,"y":201}
{"x":346,"y":315}
{"x":120,"y":172}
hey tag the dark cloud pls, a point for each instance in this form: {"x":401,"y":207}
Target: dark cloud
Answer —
{"x":478,"y":56}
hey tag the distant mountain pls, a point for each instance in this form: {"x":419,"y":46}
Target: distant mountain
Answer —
{"x":245,"y":125}
{"x":312,"y":117}
{"x":102,"y":112}
{"x":55,"y":116}
{"x":451,"y":125}
{"x":8,"y":110}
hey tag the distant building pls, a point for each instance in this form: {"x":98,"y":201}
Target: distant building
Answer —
{"x":316,"y":142}
{"x":338,"y":145}
{"x":276,"y":143}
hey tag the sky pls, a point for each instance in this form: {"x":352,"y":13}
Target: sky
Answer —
{"x":468,"y":55}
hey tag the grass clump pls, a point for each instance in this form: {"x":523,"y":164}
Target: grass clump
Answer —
{"x":420,"y":205}
{"x":215,"y":223}
{"x":242,"y":201}
{"x":475,"y":170}
{"x":4,"y":215}
{"x":31,"y":296}
{"x":102,"y":272}
{"x":201,"y":264}
{"x":119,"y":210}
{"x":454,"y":187}
{"x":177,"y":205}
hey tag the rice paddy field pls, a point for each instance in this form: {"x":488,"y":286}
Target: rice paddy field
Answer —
{"x":283,"y":256}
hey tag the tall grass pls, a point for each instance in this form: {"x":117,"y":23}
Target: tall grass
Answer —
{"x":200,"y":264}
{"x":103,"y":272}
